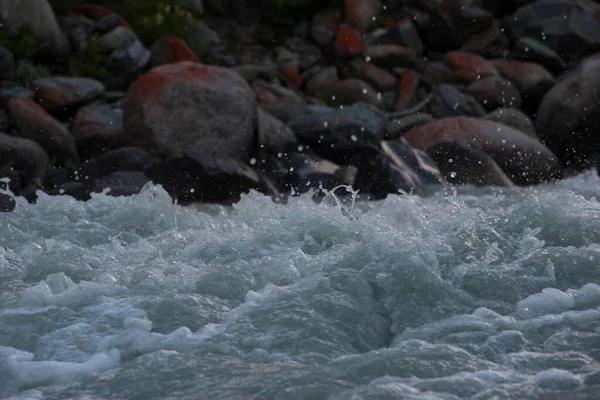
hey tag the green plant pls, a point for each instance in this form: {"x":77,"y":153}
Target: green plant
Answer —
{"x":22,"y":43}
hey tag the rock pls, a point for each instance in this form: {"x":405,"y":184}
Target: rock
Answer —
{"x":273,"y":135}
{"x":188,"y":106}
{"x":24,"y":155}
{"x":468,"y":67}
{"x":436,"y":73}
{"x":531,"y":79}
{"x":285,"y":108}
{"x":379,"y":78}
{"x":569,"y":114}
{"x":402,"y":33}
{"x":495,"y":92}
{"x":397,"y":126}
{"x":4,"y":121}
{"x":122,"y":183}
{"x":302,"y":172}
{"x":130,"y":60}
{"x":39,"y":16}
{"x":204,"y":36}
{"x":97,"y":13}
{"x":34,"y":123}
{"x":250,"y":72}
{"x":170,"y":49}
{"x":361,"y":13}
{"x":59,"y":92}
{"x":524,"y":159}
{"x":323,"y":27}
{"x":462,"y":165}
{"x":449,"y":101}
{"x":107,"y":23}
{"x":406,"y":92}
{"x":350,"y":91}
{"x":264,"y":95}
{"x":491,"y":42}
{"x":391,"y":56}
{"x":513,"y":118}
{"x":7,"y":62}
{"x":418,"y":161}
{"x":533,"y":50}
{"x":334,"y":133}
{"x":118,"y":38}
{"x":98,"y":128}
{"x":320,"y":80}
{"x":123,"y":159}
{"x":347,"y":42}
{"x":290,"y":72}
{"x":7,"y":202}
{"x":195,"y":176}
{"x":570,"y":27}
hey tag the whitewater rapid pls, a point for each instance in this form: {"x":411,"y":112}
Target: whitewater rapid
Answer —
{"x":475,"y":293}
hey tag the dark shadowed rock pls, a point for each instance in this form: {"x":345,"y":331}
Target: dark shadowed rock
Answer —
{"x":406,"y":92}
{"x":347,"y":43}
{"x":403,"y":33}
{"x":98,"y":128}
{"x":392,"y":56}
{"x":462,"y":165}
{"x":122,"y":183}
{"x":468,"y":67}
{"x":188,"y":106}
{"x":533,"y":50}
{"x":7,"y":62}
{"x":59,"y":92}
{"x":351,"y":91}
{"x":170,"y":49}
{"x":449,"y":101}
{"x":514,"y":118}
{"x":524,"y":159}
{"x":24,"y":155}
{"x":360,"y":13}
{"x":418,"y":161}
{"x":194,"y":176}
{"x":321,"y":80}
{"x":494,"y":92}
{"x":273,"y":135}
{"x":397,"y":126}
{"x":377,"y":77}
{"x":34,"y":123}
{"x":7,"y":202}
{"x":123,"y":159}
{"x":531,"y":79}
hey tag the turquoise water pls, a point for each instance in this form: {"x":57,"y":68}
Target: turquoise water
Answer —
{"x":474,"y":293}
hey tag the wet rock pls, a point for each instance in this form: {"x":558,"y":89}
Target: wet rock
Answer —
{"x":118,"y":38}
{"x":533,"y":50}
{"x":98,"y":128}
{"x":491,"y":42}
{"x":122,"y":183}
{"x":418,"y":161}
{"x":524,"y":159}
{"x":130,"y":60}
{"x":569,"y":114}
{"x":569,"y":27}
{"x":7,"y":62}
{"x":379,"y":78}
{"x":406,"y":92}
{"x":468,"y":67}
{"x":58,"y":93}
{"x":34,"y":123}
{"x":250,"y":72}
{"x":320,"y":80}
{"x":7,"y":92}
{"x":24,"y":155}
{"x":107,"y":23}
{"x":402,"y":33}
{"x":360,"y":13}
{"x":123,"y":159}
{"x":347,"y":42}
{"x":273,"y":135}
{"x":449,"y":101}
{"x":7,"y":202}
{"x":514,"y":118}
{"x":39,"y":16}
{"x":392,"y":56}
{"x":97,"y":13}
{"x":285,"y":108}
{"x":334,"y":133}
{"x":396,"y":127}
{"x":188,"y":106}
{"x":462,"y":165}
{"x":350,"y":91}
{"x":170,"y":49}
{"x":195,"y":176}
{"x":495,"y":92}
{"x":531,"y":79}
{"x":436,"y":73}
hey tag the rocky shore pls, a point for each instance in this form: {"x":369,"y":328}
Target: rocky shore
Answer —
{"x":385,"y":96}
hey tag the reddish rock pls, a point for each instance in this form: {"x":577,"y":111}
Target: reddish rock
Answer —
{"x":379,"y":78}
{"x":34,"y":123}
{"x":361,"y":13}
{"x":531,"y":79}
{"x":348,"y":42}
{"x":436,"y":73}
{"x":322,"y":79}
{"x":523,"y":158}
{"x":170,"y":49}
{"x":392,"y":56}
{"x":96,"y":13}
{"x":408,"y":84}
{"x":263,"y":95}
{"x":495,"y":92}
{"x":59,"y":92}
{"x":350,"y":91}
{"x":291,"y":74}
{"x":189,"y":106}
{"x":468,"y":67}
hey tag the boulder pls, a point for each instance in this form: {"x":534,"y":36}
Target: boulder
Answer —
{"x":449,"y":101}
{"x":392,"y":56}
{"x":123,"y":159}
{"x":347,"y":43}
{"x":7,"y":202}
{"x":350,"y":91}
{"x":34,"y":123}
{"x":463,"y":165}
{"x":170,"y":49}
{"x":98,"y":128}
{"x":97,"y":13}
{"x":38,"y":14}
{"x":117,"y":38}
{"x":402,"y":33}
{"x":569,"y":114}
{"x":531,"y":79}
{"x":494,"y":92}
{"x":122,"y":183}
{"x":468,"y":67}
{"x":24,"y":155}
{"x":188,"y":106}
{"x":361,"y":13}
{"x":490,"y":42}
{"x":406,"y":92}
{"x":194,"y":176}
{"x":524,"y":159}
{"x":130,"y":60}
{"x":532,"y":50}
{"x":397,"y":126}
{"x":377,"y":77}
{"x":419,"y":162}
{"x":273,"y":135}
{"x":321,"y":79}
{"x":514,"y":118}
{"x":59,"y":92}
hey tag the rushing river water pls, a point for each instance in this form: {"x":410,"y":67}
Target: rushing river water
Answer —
{"x":476,"y":294}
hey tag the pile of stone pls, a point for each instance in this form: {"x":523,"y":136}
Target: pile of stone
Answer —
{"x":386,"y":96}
